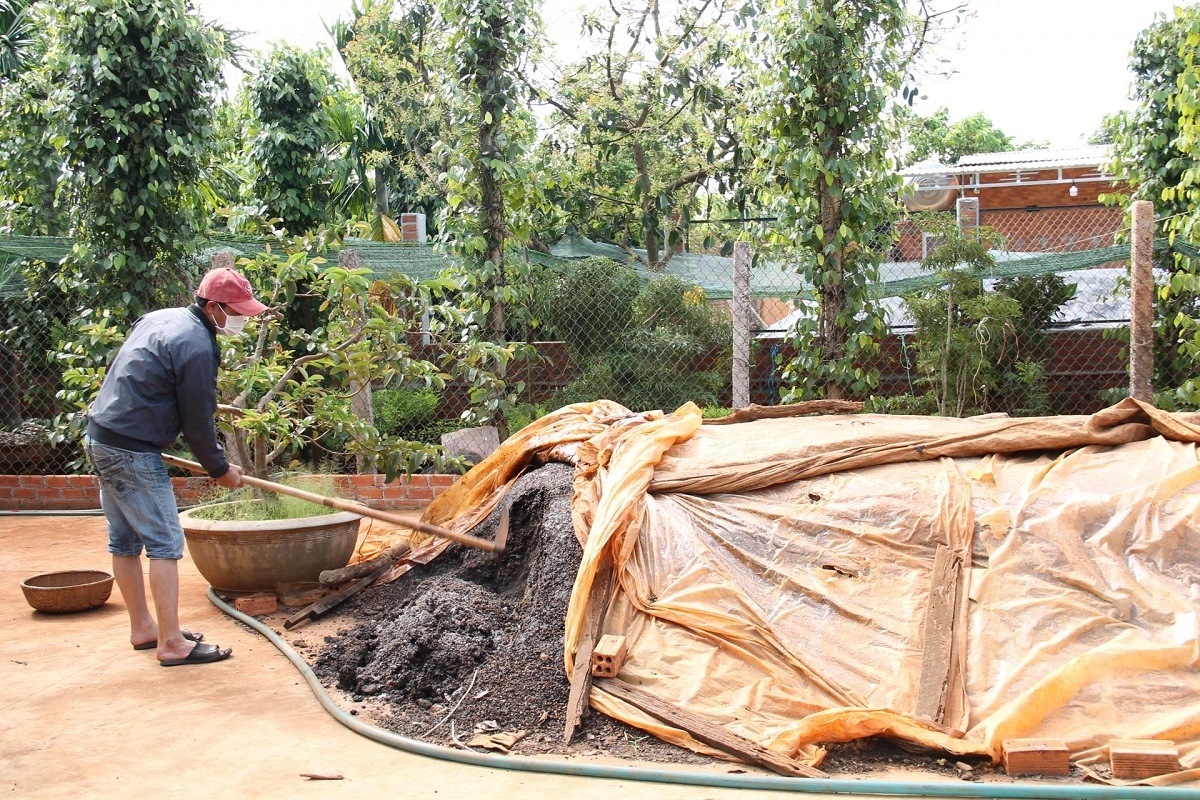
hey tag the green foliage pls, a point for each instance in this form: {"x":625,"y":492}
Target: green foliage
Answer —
{"x":830,"y":73}
{"x":399,"y":59}
{"x":411,"y":414}
{"x":30,"y":166}
{"x":84,"y":353}
{"x":1157,"y":146}
{"x":588,"y":305}
{"x":289,"y":96}
{"x":935,"y":136}
{"x":133,"y":91}
{"x":31,"y":326}
{"x":488,"y":42}
{"x":980,"y":351}
{"x":522,"y":415}
{"x":254,"y":504}
{"x":644,"y":125}
{"x":16,"y":37}
{"x":643,"y":346}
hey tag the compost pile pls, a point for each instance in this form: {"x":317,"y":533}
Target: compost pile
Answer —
{"x":481,"y":637}
{"x":473,"y":644}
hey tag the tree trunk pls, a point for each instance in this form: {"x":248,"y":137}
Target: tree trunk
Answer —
{"x":649,"y":207}
{"x":491,"y":112}
{"x":381,"y":192}
{"x":832,"y":289}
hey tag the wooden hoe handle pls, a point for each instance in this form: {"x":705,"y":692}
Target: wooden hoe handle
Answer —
{"x":404,"y":520}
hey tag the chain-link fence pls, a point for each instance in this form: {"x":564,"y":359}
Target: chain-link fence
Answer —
{"x":1033,"y":327}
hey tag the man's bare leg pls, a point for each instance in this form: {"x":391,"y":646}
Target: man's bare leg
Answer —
{"x":164,"y":586}
{"x":127,"y":571}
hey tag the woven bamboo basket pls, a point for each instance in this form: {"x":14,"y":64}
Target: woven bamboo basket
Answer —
{"x":69,"y":590}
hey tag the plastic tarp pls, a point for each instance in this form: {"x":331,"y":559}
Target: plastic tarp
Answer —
{"x":777,"y":576}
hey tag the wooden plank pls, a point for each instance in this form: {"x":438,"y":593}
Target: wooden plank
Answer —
{"x":581,"y":671}
{"x":322,"y":606}
{"x":708,"y":732}
{"x":939,"y":635}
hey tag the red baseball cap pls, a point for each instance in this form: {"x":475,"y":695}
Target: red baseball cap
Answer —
{"x":230,"y":287}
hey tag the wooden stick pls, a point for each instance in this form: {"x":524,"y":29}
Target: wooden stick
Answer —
{"x":323,"y":606}
{"x":336,"y":577}
{"x":350,"y":505}
{"x":708,"y":732}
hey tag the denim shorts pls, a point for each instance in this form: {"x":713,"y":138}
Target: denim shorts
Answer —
{"x":138,"y":502}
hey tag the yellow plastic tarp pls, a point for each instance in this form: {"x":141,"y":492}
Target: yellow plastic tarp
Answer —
{"x":775,"y":575}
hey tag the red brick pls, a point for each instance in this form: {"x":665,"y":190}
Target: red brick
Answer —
{"x":1036,"y":757}
{"x":25,"y":493}
{"x":57,"y":481}
{"x":81,"y":480}
{"x":609,"y":655}
{"x":77,"y":505}
{"x":365,"y":493}
{"x":442,"y":480}
{"x":71,"y":493}
{"x":256,"y":604}
{"x":420,"y":494}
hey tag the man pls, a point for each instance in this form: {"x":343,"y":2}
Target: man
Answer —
{"x":163,"y":381}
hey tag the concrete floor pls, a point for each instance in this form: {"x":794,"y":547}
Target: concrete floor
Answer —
{"x":84,"y":715}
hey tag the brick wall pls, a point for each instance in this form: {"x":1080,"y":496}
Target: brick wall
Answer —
{"x":81,"y":492}
{"x":1039,"y":230}
{"x":1006,"y":193}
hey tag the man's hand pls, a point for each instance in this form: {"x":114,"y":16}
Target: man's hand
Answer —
{"x":231,"y":479}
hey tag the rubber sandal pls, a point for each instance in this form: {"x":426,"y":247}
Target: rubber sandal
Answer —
{"x":191,"y":637}
{"x":201,"y":654}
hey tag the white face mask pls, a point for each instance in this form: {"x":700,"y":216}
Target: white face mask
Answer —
{"x":234,"y":325}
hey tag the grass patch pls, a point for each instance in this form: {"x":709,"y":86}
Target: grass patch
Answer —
{"x":248,"y":503}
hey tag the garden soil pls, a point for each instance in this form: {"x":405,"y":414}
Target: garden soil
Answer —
{"x":472,"y":645}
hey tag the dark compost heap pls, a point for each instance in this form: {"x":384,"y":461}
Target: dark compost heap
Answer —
{"x":482,"y":637}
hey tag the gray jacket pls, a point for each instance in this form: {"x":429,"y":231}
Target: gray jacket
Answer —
{"x":163,"y":381}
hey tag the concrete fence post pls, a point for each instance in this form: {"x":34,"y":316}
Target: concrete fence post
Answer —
{"x":741,"y":324}
{"x":1141,"y":302}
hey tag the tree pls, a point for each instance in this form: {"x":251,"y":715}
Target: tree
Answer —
{"x":645,"y":125}
{"x":831,"y":71}
{"x":291,"y":388}
{"x":30,"y":164}
{"x":1156,"y":146}
{"x":981,"y":350}
{"x":490,"y":39}
{"x":934,"y":136}
{"x":647,"y":345}
{"x":16,"y":37}
{"x":289,"y":97}
{"x":399,"y":60}
{"x":134,"y":89}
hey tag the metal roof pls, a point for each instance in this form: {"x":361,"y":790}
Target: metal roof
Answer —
{"x":1096,"y":156}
